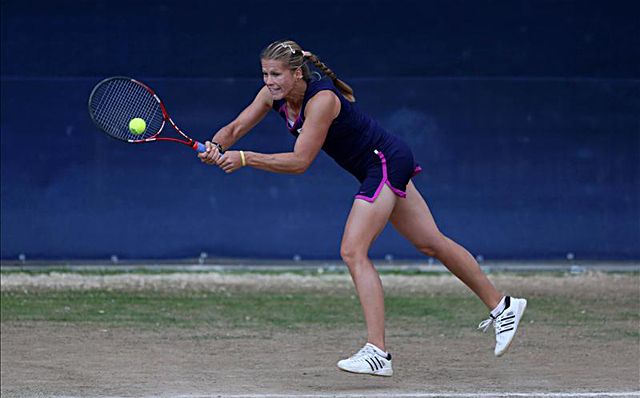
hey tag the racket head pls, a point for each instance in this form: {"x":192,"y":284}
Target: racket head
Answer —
{"x":114,"y":101}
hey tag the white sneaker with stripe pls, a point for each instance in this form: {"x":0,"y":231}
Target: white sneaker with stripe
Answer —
{"x":506,"y":323}
{"x":369,"y":360}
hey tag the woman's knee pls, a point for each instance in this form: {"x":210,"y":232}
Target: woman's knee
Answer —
{"x":434,"y":246}
{"x":353,"y":255}
{"x":350,"y":253}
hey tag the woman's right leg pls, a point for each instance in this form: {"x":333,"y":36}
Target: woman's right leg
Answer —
{"x":364,"y":224}
{"x":366,"y":221}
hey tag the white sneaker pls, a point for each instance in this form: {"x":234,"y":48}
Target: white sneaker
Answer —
{"x":369,"y":360}
{"x":506,"y":323}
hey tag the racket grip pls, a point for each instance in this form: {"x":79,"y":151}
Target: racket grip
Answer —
{"x":199,"y":146}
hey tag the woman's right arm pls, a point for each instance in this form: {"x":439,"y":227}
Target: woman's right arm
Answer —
{"x":241,"y":125}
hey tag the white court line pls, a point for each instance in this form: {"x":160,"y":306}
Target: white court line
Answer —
{"x":410,"y":395}
{"x":430,"y":395}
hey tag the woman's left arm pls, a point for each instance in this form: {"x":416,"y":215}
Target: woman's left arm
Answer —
{"x":319,"y":114}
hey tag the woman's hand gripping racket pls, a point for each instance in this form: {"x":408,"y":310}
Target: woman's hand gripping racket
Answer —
{"x":117,"y":104}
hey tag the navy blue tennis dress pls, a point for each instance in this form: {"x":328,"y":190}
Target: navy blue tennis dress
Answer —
{"x":359,"y":145}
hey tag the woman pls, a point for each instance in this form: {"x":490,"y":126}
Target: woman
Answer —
{"x":321,"y":114}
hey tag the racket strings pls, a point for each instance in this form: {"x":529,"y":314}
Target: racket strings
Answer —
{"x":117,"y":101}
{"x":143,"y":104}
{"x":145,"y":108}
{"x":113,"y":119}
{"x":106,"y":109}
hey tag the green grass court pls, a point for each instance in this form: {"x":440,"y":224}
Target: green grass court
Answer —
{"x":244,"y":307}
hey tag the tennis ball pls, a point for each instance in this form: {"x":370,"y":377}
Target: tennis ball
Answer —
{"x":137,"y":126}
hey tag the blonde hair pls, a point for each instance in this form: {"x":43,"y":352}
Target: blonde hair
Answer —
{"x":290,"y":52}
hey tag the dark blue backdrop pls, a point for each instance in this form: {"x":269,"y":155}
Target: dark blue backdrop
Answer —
{"x":524,"y":115}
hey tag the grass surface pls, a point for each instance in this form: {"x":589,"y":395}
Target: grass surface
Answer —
{"x":260,"y":310}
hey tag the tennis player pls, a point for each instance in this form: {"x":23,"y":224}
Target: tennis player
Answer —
{"x":321,"y":113}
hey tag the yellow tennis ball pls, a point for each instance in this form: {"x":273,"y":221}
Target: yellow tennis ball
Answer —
{"x":137,"y":126}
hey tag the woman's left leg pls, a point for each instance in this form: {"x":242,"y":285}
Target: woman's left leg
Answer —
{"x":412,"y":218}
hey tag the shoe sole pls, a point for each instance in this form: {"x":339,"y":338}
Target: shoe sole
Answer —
{"x":523,"y":307}
{"x":368,"y":373}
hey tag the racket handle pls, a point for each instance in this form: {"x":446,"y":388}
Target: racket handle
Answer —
{"x":199,"y":146}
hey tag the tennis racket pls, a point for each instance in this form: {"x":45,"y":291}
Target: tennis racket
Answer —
{"x":115,"y":101}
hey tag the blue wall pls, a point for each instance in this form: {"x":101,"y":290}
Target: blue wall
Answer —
{"x":524,"y":115}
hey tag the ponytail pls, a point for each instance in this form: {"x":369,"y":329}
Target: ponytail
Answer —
{"x":344,"y":88}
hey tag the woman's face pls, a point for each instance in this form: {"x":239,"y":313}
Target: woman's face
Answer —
{"x":278,"y":78}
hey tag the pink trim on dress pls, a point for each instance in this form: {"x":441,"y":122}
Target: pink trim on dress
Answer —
{"x":398,"y":192}
{"x":384,"y":181}
{"x":366,"y":198}
{"x":286,"y":114}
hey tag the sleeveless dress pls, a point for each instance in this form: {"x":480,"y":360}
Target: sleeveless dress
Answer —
{"x":359,"y":145}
